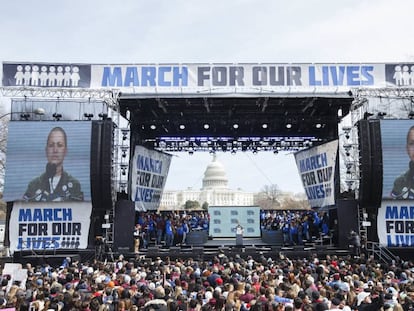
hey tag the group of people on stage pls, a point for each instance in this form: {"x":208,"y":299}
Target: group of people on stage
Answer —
{"x":168,"y":229}
{"x":297,"y":226}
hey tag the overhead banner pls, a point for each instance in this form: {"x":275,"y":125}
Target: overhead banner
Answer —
{"x":395,"y":224}
{"x":149,"y":174}
{"x":43,"y":226}
{"x":244,"y":78}
{"x":316,"y":167}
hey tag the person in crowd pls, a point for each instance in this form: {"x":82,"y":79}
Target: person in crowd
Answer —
{"x":55,"y":184}
{"x":355,"y":243}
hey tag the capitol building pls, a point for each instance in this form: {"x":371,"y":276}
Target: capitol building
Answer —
{"x":214,"y":191}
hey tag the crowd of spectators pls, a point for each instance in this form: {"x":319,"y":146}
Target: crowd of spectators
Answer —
{"x":223,"y":283}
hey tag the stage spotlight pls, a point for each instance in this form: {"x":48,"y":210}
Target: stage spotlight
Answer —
{"x":206,"y":126}
{"x":124,"y":150}
{"x":153,"y":127}
{"x":182,"y":126}
{"x":57,"y":116}
{"x":318,"y":125}
{"x":124,"y":134}
{"x":381,"y":115}
{"x":368,"y":115}
{"x":25,"y":116}
{"x":235,"y":126}
{"x":264,"y":125}
{"x":88,"y":116}
{"x":288,"y":125}
{"x":103,"y":116}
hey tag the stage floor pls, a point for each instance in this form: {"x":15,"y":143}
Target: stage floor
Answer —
{"x":226,"y":242}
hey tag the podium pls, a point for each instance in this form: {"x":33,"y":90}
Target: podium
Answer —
{"x":239,"y":239}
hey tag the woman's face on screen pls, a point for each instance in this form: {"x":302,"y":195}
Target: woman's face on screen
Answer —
{"x":56,"y":148}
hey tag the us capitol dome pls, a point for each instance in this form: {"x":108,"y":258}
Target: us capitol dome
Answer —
{"x":214,"y":191}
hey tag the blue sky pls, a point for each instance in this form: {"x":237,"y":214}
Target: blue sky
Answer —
{"x":158,"y":31}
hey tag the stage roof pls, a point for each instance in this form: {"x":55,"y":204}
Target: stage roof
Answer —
{"x":234,"y":117}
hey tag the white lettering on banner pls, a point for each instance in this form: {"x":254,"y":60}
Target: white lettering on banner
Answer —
{"x":54,"y":226}
{"x":316,"y":167}
{"x":396,"y":224}
{"x":149,"y":173}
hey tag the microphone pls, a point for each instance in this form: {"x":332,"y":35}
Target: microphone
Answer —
{"x":50,"y":170}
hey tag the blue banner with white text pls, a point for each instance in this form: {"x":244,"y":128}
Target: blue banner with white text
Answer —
{"x":316,"y":168}
{"x":148,"y":177}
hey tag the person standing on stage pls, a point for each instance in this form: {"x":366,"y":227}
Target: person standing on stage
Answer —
{"x":137,"y":236}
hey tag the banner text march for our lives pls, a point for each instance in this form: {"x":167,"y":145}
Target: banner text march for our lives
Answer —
{"x":63,"y":225}
{"x":149,"y":174}
{"x":316,"y":167}
{"x":395,"y":224}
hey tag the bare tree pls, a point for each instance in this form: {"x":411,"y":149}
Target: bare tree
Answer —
{"x":268,"y":197}
{"x":291,"y":203}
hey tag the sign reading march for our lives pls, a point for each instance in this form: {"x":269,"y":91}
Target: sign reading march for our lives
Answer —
{"x":395,"y":224}
{"x":149,"y":174}
{"x":317,"y":170}
{"x":41,"y":226}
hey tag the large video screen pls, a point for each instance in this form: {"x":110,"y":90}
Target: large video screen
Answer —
{"x":224,"y":220}
{"x":48,"y":161}
{"x":397,"y":138}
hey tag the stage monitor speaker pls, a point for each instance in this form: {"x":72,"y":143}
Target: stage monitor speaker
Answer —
{"x":124,"y":225}
{"x":347,"y":220}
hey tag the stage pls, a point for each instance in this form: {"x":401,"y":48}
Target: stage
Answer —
{"x":256,"y":248}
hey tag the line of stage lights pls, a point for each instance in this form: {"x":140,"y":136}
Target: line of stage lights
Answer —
{"x":274,"y":144}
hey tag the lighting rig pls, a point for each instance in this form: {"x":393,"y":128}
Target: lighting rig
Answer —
{"x":229,"y":144}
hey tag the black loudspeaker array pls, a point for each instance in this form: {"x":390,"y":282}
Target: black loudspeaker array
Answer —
{"x":370,"y":163}
{"x":124,"y":224}
{"x":376,"y":157}
{"x":101,"y":164}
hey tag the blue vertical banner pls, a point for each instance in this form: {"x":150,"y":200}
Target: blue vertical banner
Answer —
{"x":316,"y":167}
{"x":149,"y":174}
